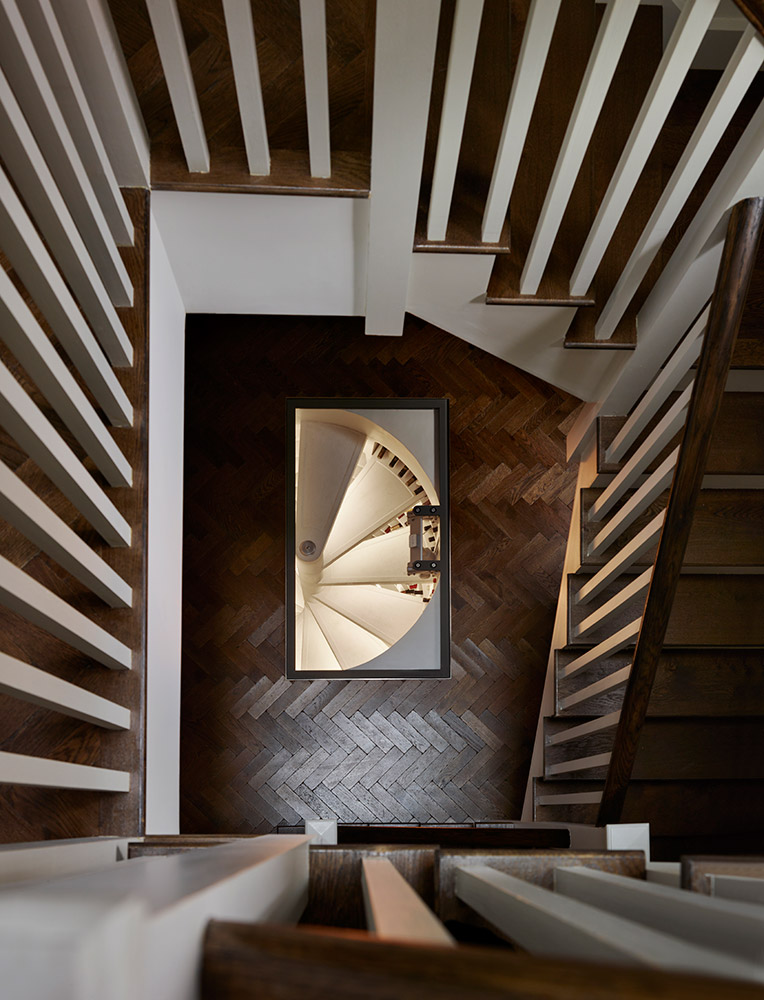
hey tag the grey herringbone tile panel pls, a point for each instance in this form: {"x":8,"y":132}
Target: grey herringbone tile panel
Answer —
{"x":259,"y":751}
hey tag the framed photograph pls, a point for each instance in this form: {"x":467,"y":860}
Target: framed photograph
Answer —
{"x":367,"y":538}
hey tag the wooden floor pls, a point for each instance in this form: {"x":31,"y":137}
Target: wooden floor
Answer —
{"x":259,"y":751}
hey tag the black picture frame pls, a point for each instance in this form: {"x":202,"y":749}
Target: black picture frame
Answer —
{"x":441,"y":416}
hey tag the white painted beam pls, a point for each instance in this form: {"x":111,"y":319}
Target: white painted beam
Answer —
{"x":25,"y":338}
{"x":32,"y":177}
{"x":33,"y":264}
{"x":394,"y":910}
{"x":666,"y":381}
{"x":35,"y":434}
{"x":677,"y":58}
{"x":577,"y":764}
{"x":168,"y":33}
{"x":49,"y":43}
{"x":28,"y":598}
{"x":92,"y":40}
{"x":623,"y":560}
{"x":608,"y":46}
{"x":461,"y":61}
{"x":738,"y":887}
{"x":403,"y":64}
{"x":609,"y":721}
{"x":27,"y":683}
{"x":21,"y":507}
{"x":722,"y":925}
{"x":660,"y":436}
{"x":534,"y":49}
{"x":548,"y":923}
{"x":730,"y":91}
{"x":246,"y":76}
{"x":19,"y":769}
{"x":26,"y":75}
{"x":313,"y":27}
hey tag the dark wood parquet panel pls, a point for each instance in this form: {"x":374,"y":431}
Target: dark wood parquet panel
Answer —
{"x":258,"y":750}
{"x":29,"y":814}
{"x":350,"y":32}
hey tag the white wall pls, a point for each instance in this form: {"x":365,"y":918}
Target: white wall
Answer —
{"x":448,"y":290}
{"x":167,"y":318}
{"x":267,"y":254}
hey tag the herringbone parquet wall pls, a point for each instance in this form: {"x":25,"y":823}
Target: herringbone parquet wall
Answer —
{"x":259,"y":751}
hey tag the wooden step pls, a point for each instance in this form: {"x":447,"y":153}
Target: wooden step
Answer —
{"x":632,"y":80}
{"x":669,"y":749}
{"x":727,"y":531}
{"x":717,"y":682}
{"x":737,"y":443}
{"x":708,"y":610}
{"x":672,"y":808}
{"x":569,"y":51}
{"x":489,"y":93}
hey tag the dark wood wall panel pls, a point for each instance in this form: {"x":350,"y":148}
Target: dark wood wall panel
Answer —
{"x":259,"y":751}
{"x":38,"y":814}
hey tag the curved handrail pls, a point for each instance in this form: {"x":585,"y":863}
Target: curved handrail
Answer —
{"x":743,"y":236}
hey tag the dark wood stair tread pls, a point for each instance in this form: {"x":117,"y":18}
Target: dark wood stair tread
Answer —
{"x":737,"y":442}
{"x":709,"y":610}
{"x":673,"y":748}
{"x":727,"y":531}
{"x":290,"y":173}
{"x":689,"y":682}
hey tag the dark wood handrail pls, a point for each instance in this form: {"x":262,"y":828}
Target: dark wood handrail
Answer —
{"x":754,"y":11}
{"x":738,"y":258}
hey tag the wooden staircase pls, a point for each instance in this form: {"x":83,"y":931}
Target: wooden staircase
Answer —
{"x":698,"y":771}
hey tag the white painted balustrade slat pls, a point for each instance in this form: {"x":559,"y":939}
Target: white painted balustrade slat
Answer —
{"x":547,"y":923}
{"x":613,"y":644}
{"x":722,"y":925}
{"x":21,"y":507}
{"x":667,"y":380}
{"x":570,"y":799}
{"x":34,"y":265}
{"x":35,"y":434}
{"x":25,"y":73}
{"x":742,"y":176}
{"x":394,"y":910}
{"x":25,"y":338}
{"x":28,"y":598}
{"x":623,"y":559}
{"x":92,"y":40}
{"x":173,"y":54}
{"x":42,"y":25}
{"x":578,"y":764}
{"x":613,"y":680}
{"x":19,"y":769}
{"x":313,"y":27}
{"x":246,"y":75}
{"x":31,"y":175}
{"x":649,"y":491}
{"x":598,"y":618}
{"x":537,"y":37}
{"x":688,"y":33}
{"x":406,"y":36}
{"x":738,"y":887}
{"x":27,"y":683}
{"x":609,"y":721}
{"x":461,"y":62}
{"x":659,"y":437}
{"x":738,"y":76}
{"x":608,"y":46}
